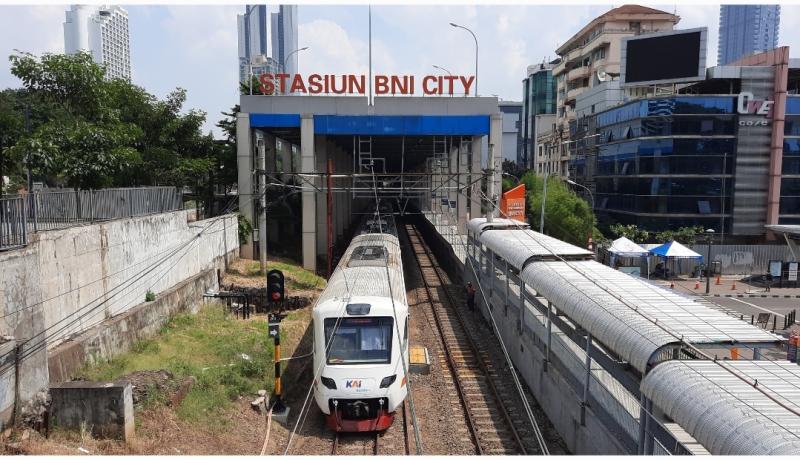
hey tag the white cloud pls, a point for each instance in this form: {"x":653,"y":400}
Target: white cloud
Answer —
{"x":35,"y":29}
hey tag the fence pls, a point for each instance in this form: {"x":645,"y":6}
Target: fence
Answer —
{"x":57,"y":209}
{"x":12,"y":223}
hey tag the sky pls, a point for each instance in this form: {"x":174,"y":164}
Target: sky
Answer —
{"x":195,"y":46}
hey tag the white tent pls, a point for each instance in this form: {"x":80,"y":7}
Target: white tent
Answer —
{"x":623,"y":247}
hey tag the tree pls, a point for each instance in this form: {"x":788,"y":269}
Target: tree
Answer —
{"x":566,"y":216}
{"x":631,"y":232}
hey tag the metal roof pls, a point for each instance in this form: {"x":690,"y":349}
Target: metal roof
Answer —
{"x":479,"y":224}
{"x":727,"y":413}
{"x":788,"y":229}
{"x":649,"y":318}
{"x":518,"y":246}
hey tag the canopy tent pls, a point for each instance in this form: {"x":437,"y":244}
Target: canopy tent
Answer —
{"x":672,"y":251}
{"x":623,"y":247}
{"x":675,"y":250}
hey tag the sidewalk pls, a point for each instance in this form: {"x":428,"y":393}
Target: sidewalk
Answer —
{"x":726,"y":288}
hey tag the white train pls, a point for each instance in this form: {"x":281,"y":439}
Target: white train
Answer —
{"x":360,"y":330}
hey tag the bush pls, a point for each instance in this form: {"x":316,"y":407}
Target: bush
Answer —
{"x":149,"y":297}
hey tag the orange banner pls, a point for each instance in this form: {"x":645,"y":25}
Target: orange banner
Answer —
{"x":512,"y":203}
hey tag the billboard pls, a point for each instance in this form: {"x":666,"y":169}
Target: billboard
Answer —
{"x":512,"y":203}
{"x":676,"y":56}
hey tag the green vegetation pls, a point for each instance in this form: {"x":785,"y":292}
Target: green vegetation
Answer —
{"x":296,"y":277}
{"x":149,"y":296}
{"x":89,"y":132}
{"x":684,"y":235}
{"x":566,"y":216}
{"x":229,"y":358}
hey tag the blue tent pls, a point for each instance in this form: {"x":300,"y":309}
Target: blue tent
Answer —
{"x":675,"y":250}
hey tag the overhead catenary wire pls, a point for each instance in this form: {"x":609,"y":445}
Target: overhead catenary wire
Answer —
{"x":417,"y":438}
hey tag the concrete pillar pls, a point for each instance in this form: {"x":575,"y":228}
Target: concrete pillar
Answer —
{"x":309,"y":198}
{"x":462,"y":181}
{"x":475,"y":178}
{"x":321,"y":152}
{"x":496,"y":158}
{"x":244,"y":161}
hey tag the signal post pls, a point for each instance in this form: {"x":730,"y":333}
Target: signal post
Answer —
{"x":276,"y":294}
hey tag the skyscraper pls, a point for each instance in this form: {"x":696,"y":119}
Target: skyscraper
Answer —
{"x":103,"y":31}
{"x":252,"y":29}
{"x":747,"y":29}
{"x":284,"y":37}
{"x":538,"y":98}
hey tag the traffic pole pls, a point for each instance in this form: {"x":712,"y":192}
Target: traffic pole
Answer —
{"x":274,"y":331}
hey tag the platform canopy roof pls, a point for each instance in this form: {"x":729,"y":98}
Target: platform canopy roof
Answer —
{"x":731,"y":407}
{"x":479,"y":224}
{"x":634,"y":319}
{"x":624,"y":247}
{"x":519,"y":246}
{"x":675,"y":250}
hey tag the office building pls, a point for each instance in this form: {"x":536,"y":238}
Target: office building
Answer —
{"x":284,"y":37}
{"x":103,"y":31}
{"x":252,"y":33}
{"x":512,"y":119}
{"x":538,"y":98}
{"x":592,"y":56}
{"x":746,"y":29}
{"x":723,"y":154}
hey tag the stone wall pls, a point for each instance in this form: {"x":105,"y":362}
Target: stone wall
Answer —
{"x":67,"y":281}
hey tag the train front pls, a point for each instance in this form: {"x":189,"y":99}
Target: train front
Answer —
{"x":362,"y":382}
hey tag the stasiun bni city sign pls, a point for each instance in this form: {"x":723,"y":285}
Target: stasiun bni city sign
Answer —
{"x":430,"y":85}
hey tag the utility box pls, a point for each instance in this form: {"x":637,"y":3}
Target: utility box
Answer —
{"x":105,"y":407}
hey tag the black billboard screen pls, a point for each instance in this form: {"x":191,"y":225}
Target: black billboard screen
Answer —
{"x":667,"y":57}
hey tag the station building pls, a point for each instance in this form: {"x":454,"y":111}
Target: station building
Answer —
{"x":722,"y":153}
{"x":328,"y":158}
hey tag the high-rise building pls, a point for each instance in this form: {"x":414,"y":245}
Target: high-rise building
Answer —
{"x":746,"y":29}
{"x":252,"y":30}
{"x":284,"y":37}
{"x":593,"y":52}
{"x":538,"y":98}
{"x":103,"y":31}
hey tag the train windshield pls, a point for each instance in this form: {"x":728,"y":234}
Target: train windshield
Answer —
{"x":359,"y":340}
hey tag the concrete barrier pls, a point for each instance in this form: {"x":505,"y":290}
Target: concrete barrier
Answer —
{"x":105,"y":408}
{"x":65,"y":282}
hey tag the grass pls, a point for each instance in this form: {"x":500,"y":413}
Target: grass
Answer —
{"x":208,"y":346}
{"x":296,"y":277}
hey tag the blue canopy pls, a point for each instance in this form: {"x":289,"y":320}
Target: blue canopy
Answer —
{"x":673,"y":249}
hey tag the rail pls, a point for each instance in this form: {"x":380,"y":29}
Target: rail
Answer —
{"x":55,"y":209}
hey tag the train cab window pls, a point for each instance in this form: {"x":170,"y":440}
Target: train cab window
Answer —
{"x":368,"y":256}
{"x":359,"y":340}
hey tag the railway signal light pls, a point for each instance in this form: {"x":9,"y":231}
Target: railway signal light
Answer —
{"x":275,"y":286}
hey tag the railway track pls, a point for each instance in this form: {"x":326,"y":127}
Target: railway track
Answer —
{"x":494,"y":417}
{"x":393,"y":441}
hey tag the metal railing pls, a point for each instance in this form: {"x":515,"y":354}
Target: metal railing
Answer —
{"x":59,"y":208}
{"x":13,"y":220}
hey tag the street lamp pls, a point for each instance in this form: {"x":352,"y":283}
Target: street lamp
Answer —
{"x":572,"y":182}
{"x":476,"y":53}
{"x":286,"y":61}
{"x":442,"y":68}
{"x":710,"y":233}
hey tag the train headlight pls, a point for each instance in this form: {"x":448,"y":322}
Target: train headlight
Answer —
{"x":328,"y":382}
{"x":387,"y":381}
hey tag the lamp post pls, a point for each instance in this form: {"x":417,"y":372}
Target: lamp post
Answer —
{"x":442,"y":68}
{"x":476,"y":53}
{"x":709,"y":233}
{"x":286,"y":60}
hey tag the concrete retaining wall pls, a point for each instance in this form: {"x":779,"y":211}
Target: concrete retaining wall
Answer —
{"x":67,"y":281}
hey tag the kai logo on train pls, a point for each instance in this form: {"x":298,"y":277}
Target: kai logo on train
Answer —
{"x":355,"y":384}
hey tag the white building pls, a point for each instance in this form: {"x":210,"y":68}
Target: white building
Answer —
{"x":103,"y":31}
{"x":284,"y":37}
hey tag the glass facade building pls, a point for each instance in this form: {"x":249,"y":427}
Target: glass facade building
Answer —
{"x":665,"y":163}
{"x":790,"y":167}
{"x":538,"y":97}
{"x":746,"y":29}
